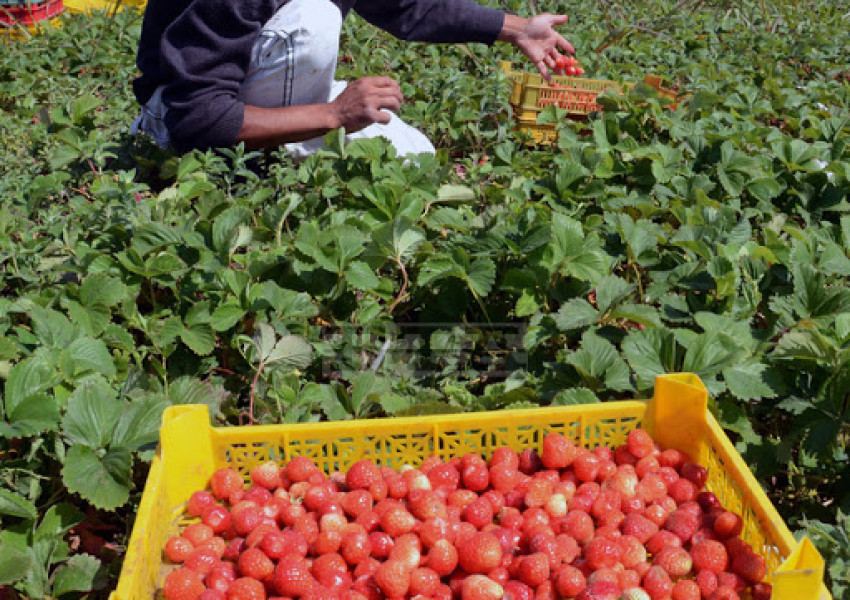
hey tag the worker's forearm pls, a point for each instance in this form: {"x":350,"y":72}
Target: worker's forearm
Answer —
{"x":270,"y":127}
{"x":512,"y":27}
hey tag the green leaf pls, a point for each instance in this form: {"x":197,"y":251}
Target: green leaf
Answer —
{"x":27,"y":378}
{"x":82,"y":573}
{"x":139,"y":423}
{"x":199,"y":338}
{"x":87,"y":355}
{"x":102,"y":290}
{"x":226,"y":316}
{"x":599,"y":364}
{"x":481,"y":276}
{"x":455,"y":193}
{"x":361,"y":276}
{"x":365,"y":388}
{"x":576,"y":313}
{"x":37,"y":413}
{"x":14,"y":563}
{"x":575,"y":396}
{"x":751,"y":381}
{"x":15,"y":505}
{"x":611,"y":291}
{"x":101,"y":477}
{"x":651,"y":352}
{"x":91,"y":415}
{"x":395,"y":403}
{"x":291,"y":352}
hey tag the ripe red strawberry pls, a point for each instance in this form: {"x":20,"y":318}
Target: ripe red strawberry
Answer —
{"x":709,"y":555}
{"x":300,"y":468}
{"x":723,"y":592}
{"x":632,"y":551}
{"x":683,"y":523}
{"x":247,"y":519}
{"x":503,"y":477}
{"x":443,"y":557}
{"x":255,"y":564}
{"x":397,"y":521}
{"x":750,"y":566}
{"x":476,"y":476}
{"x":672,"y":458}
{"x":331,"y":571}
{"x":600,"y":590}
{"x":292,"y":577}
{"x":225,"y":482}
{"x":578,"y":525}
{"x":479,"y":513}
{"x":640,"y":443}
{"x":198,"y":533}
{"x":682,"y":491}
{"x":661,"y":540}
{"x":202,"y":560}
{"x":210,"y":594}
{"x":696,"y":474}
{"x":602,"y":553}
{"x":762,"y":591}
{"x":686,"y":589}
{"x":657,"y":584}
{"x":517,"y":590}
{"x":651,"y":488}
{"x":638,"y":526}
{"x":424,"y":581}
{"x":216,"y":518}
{"x":183,"y":584}
{"x":707,"y":582}
{"x":533,"y":569}
{"x":199,"y":502}
{"x":362,"y":474}
{"x":246,"y":588}
{"x":444,"y":476}
{"x":675,"y":561}
{"x":266,"y":475}
{"x":393,"y":577}
{"x":221,"y":576}
{"x":356,"y":502}
{"x":178,"y":549}
{"x":708,"y":500}
{"x":727,"y":525}
{"x":479,"y":553}
{"x":557,"y":452}
{"x":586,"y":466}
{"x":410,"y":554}
{"x":529,"y":461}
{"x":505,"y":456}
{"x":481,"y":587}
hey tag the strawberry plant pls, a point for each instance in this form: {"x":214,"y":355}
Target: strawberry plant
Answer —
{"x":710,"y":238}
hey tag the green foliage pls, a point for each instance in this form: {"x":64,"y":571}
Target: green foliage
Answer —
{"x":713,"y":238}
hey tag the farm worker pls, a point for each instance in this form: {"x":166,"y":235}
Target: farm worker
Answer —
{"x":219,"y":72}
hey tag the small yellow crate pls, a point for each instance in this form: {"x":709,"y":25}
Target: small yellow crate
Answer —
{"x":677,"y":417}
{"x":111,"y":6}
{"x":530,"y":93}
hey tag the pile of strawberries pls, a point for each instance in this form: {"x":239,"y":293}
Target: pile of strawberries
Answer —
{"x":567,"y":522}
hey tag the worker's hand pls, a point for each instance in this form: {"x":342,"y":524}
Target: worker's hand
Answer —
{"x":362,"y":101}
{"x":537,"y":39}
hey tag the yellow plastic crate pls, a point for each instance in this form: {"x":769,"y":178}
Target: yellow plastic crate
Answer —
{"x":112,"y":6}
{"x":677,"y":417}
{"x":530,"y":94}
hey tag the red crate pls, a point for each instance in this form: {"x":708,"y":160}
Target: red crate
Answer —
{"x":12,"y":15}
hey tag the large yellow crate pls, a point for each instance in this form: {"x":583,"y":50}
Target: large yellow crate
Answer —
{"x":677,"y":417}
{"x":530,"y":94}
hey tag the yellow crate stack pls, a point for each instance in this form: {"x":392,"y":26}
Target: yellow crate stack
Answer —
{"x":530,"y":94}
{"x":677,"y":417}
